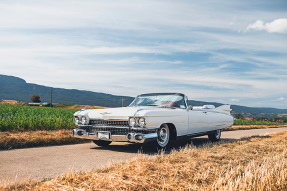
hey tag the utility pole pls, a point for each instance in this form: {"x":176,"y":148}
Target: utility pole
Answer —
{"x":34,"y":89}
{"x":51,"y":97}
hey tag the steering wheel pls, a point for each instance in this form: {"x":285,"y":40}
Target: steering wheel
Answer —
{"x":172,"y":104}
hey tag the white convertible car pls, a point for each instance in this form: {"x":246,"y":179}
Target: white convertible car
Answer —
{"x":158,"y":117}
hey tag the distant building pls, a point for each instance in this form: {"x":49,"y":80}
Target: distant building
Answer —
{"x":8,"y":101}
{"x":38,"y":104}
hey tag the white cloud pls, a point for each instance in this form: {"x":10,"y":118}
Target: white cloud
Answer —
{"x":118,"y":50}
{"x":281,"y":99}
{"x":276,"y":26}
{"x":116,"y":15}
{"x":132,"y":47}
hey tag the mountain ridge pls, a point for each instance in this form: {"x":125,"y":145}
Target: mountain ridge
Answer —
{"x":15,"y":88}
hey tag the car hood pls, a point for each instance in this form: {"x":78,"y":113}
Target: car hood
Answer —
{"x":112,"y":113}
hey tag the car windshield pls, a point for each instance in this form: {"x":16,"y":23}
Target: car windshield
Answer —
{"x":159,"y":100}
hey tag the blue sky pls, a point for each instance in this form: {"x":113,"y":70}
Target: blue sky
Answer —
{"x":227,"y":51}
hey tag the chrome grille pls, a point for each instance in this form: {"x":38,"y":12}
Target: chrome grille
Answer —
{"x":114,"y":131}
{"x":112,"y":123}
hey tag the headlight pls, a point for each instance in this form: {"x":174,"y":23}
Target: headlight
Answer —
{"x":76,"y":120}
{"x":132,"y":121}
{"x":137,"y":122}
{"x":81,"y":120}
{"x":142,"y":122}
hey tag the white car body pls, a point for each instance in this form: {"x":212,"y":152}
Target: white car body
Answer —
{"x":113,"y":124}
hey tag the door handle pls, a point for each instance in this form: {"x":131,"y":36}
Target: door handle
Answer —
{"x":205,"y":112}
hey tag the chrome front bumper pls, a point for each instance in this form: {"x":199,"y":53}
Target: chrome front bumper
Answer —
{"x":130,"y":137}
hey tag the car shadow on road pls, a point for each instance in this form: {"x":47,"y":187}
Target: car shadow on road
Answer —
{"x":150,"y":149}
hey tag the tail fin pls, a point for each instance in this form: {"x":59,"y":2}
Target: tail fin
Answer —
{"x":224,"y":109}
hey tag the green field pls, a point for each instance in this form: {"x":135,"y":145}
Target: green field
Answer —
{"x":27,"y":118}
{"x":246,"y":122}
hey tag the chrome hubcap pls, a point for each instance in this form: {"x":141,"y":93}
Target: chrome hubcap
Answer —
{"x":163,"y":136}
{"x":218,"y":134}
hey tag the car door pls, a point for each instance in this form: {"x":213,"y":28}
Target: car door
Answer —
{"x":198,"y":121}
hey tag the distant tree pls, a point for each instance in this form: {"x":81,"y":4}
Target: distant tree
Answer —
{"x":239,"y":116}
{"x":35,"y":99}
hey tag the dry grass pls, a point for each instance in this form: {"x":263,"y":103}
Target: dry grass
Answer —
{"x":12,"y":140}
{"x":245,"y":127}
{"x":13,"y":102}
{"x":258,"y":163}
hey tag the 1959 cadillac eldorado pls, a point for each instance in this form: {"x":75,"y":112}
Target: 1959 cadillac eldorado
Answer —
{"x":158,"y":117}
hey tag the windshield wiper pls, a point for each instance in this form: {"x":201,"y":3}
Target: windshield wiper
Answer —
{"x":152,"y":105}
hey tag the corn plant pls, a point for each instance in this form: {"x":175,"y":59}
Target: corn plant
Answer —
{"x":247,"y":122}
{"x":25,"y":118}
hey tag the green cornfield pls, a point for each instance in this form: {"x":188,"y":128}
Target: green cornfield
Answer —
{"x":246,"y":122}
{"x":28,"y":118}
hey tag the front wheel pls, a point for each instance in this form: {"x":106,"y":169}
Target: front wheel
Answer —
{"x":215,"y":136}
{"x":164,"y":138}
{"x":102,"y":143}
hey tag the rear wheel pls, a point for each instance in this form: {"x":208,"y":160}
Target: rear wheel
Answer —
{"x":102,"y":143}
{"x":215,"y":136}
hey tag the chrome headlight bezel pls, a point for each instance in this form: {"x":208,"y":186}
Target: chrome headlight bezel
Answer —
{"x":132,"y":121}
{"x":76,"y":120}
{"x":81,"y":120}
{"x":137,"y":122}
{"x":141,"y":122}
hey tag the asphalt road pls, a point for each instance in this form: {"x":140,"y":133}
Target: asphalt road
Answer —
{"x":48,"y":162}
